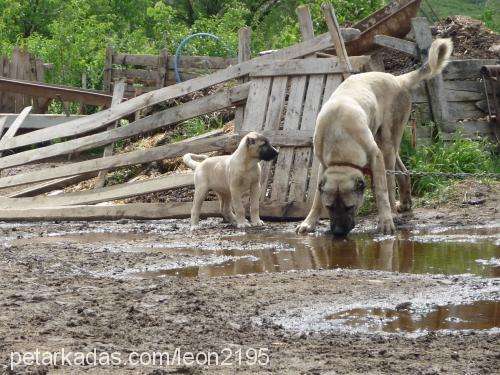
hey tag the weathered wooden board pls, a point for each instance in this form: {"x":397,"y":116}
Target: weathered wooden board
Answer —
{"x":310,"y":66}
{"x":397,"y":44}
{"x":48,"y":186}
{"x":152,"y":211}
{"x":466,"y":69}
{"x":104,"y":194}
{"x":38,"y":121}
{"x":118,"y":91}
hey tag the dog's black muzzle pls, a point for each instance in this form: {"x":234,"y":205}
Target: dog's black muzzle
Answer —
{"x":267,"y":153}
{"x":341,"y":223}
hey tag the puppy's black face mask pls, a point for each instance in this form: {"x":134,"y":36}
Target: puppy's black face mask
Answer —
{"x":267,"y":152}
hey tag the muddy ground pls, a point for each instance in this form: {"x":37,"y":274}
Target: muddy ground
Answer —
{"x":153,"y":286}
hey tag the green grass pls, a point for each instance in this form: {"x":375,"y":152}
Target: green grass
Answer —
{"x":456,"y":156}
{"x":194,"y":127}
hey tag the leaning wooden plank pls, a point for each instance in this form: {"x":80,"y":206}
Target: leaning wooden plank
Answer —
{"x":334,"y":28}
{"x":52,"y":91}
{"x":100,"y":119}
{"x":3,"y":124}
{"x":198,"y":107}
{"x":397,"y":44}
{"x":152,"y":211}
{"x":38,"y":121}
{"x":118,"y":91}
{"x":12,"y":130}
{"x":105,"y":194}
{"x":226,"y":143}
{"x":309,"y":67}
{"x":47,"y":186}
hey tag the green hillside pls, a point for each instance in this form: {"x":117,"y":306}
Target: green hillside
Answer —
{"x":485,"y":10}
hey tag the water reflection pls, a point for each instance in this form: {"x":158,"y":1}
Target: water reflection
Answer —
{"x":396,"y":254}
{"x":478,"y":315}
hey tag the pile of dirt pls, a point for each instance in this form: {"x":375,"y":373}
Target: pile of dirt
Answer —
{"x":471,"y":38}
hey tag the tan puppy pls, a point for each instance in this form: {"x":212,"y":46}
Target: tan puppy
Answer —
{"x":358,"y":128}
{"x":231,"y":176}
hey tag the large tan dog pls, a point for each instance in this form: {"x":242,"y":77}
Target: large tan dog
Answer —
{"x":359,"y":128}
{"x":230,"y":176}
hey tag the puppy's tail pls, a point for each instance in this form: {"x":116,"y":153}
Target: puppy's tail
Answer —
{"x":193,"y":160}
{"x":439,"y":53}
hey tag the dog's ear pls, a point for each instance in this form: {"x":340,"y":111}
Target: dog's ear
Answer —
{"x":250,"y":141}
{"x":359,"y":185}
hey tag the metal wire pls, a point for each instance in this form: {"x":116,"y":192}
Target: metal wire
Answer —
{"x":444,"y":174}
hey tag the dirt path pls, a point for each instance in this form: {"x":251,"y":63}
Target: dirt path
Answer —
{"x":106,"y":286}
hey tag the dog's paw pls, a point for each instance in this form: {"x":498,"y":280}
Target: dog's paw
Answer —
{"x":386,"y":226}
{"x":403,"y":206}
{"x":195,"y":227}
{"x":305,"y":228}
{"x":258,"y":223}
{"x":243,"y":225}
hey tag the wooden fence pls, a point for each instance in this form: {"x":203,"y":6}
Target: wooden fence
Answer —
{"x":24,"y":66}
{"x":145,"y":73}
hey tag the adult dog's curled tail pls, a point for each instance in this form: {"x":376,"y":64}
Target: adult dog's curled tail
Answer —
{"x":193,"y":160}
{"x":439,"y":53}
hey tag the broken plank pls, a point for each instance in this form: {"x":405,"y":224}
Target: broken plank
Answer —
{"x":118,"y":91}
{"x":336,"y":34}
{"x":220,"y":100}
{"x":466,"y":69}
{"x":38,"y":121}
{"x":48,"y":186}
{"x":397,"y":44}
{"x":12,"y":130}
{"x":308,"y":67}
{"x":145,"y":211}
{"x":102,"y":118}
{"x":104,"y":194}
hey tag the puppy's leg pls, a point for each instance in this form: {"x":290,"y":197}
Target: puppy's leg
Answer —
{"x":226,"y":210}
{"x":237,"y":203}
{"x":309,"y":224}
{"x":386,"y":224}
{"x":200,"y":193}
{"x":404,"y":185}
{"x":254,"y":204}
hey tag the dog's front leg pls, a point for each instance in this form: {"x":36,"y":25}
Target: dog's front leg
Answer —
{"x":309,"y":223}
{"x":254,"y":205}
{"x":386,"y":224}
{"x":239,"y":209}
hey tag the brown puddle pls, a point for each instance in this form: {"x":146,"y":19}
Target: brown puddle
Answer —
{"x":477,"y":315}
{"x":442,"y":253}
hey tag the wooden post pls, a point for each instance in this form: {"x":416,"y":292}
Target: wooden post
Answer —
{"x":118,"y":92}
{"x":338,"y":40}
{"x":162,"y":68}
{"x":108,"y":67}
{"x":435,"y":86}
{"x":244,"y":54}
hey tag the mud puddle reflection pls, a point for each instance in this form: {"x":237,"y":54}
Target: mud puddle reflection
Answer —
{"x":449,"y":251}
{"x":479,"y":315}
